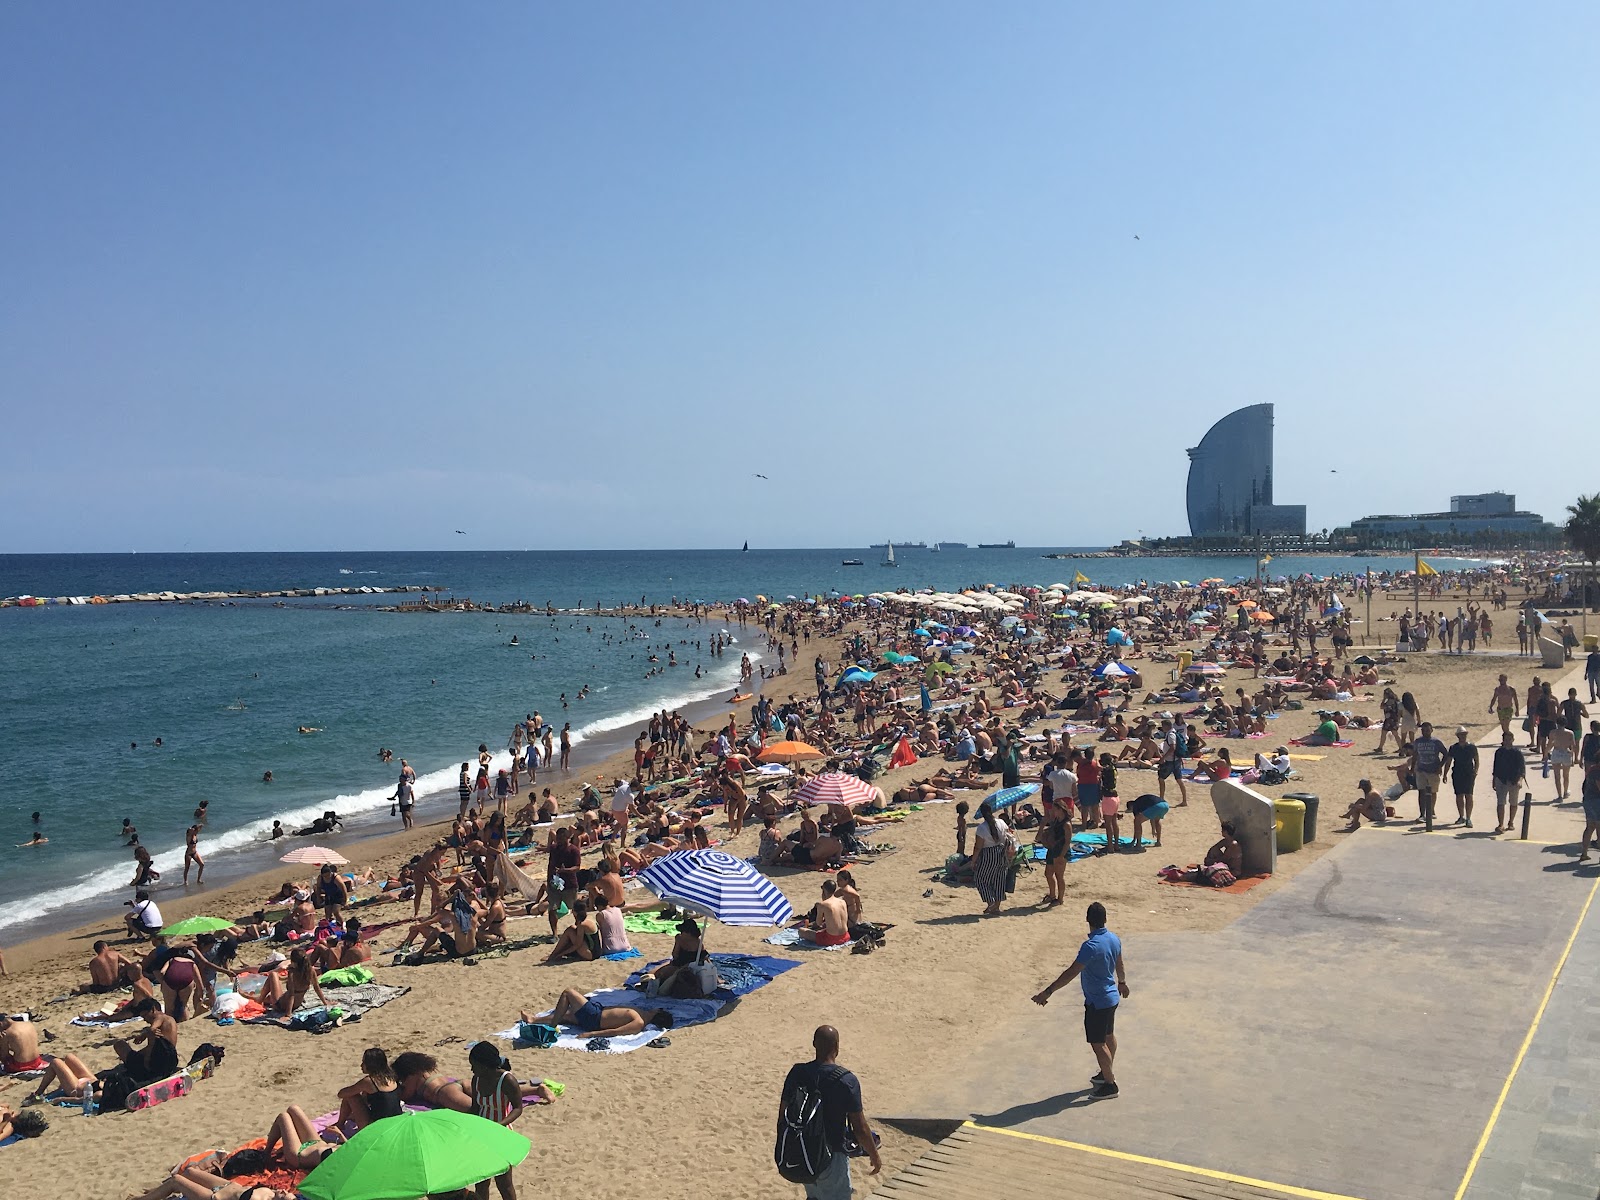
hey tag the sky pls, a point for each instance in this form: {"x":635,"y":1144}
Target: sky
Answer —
{"x":309,"y":276}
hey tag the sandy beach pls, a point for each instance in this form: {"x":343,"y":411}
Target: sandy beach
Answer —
{"x":697,"y":1116}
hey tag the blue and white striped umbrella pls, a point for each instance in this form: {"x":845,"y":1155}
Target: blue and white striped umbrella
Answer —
{"x":1006,"y":797}
{"x":718,"y":885}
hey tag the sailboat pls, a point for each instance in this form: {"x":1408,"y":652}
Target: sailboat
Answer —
{"x":746,"y":548}
{"x":888,"y":555}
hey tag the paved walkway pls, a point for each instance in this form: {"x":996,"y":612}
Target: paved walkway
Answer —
{"x":1351,"y":1035}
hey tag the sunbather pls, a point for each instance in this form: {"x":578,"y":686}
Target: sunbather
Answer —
{"x":374,"y":1096}
{"x":298,"y":1143}
{"x":418,"y":1078}
{"x":66,"y":1071}
{"x":199,"y":1183}
{"x":591,"y":1019}
{"x":580,"y":940}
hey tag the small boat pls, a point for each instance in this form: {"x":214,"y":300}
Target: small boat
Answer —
{"x":514,"y":641}
{"x":851,"y":562}
{"x":746,"y":548}
{"x":888,"y":555}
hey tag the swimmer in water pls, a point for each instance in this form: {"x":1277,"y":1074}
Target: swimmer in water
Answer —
{"x":38,"y":839}
{"x":310,"y":729}
{"x":266,"y":777}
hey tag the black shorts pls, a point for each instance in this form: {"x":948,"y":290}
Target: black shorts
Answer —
{"x":1098,"y":1023}
{"x":800,"y":856}
{"x":1169,"y":769}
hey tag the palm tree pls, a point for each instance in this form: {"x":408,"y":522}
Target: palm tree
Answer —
{"x":1583,"y":531}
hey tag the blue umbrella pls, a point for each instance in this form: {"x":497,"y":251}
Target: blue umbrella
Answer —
{"x":857,"y":675}
{"x":719,"y":885}
{"x":921,"y":633}
{"x":1112,"y":670}
{"x":935,"y":625}
{"x":927,"y":700}
{"x":1116,"y":637}
{"x":1006,"y":797}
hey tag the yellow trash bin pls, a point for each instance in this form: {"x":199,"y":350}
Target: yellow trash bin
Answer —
{"x":1591,"y":641}
{"x":1185,"y":659}
{"x":1289,"y":824}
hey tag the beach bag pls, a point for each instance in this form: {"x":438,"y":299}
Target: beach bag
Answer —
{"x":537,"y":1036}
{"x":1181,"y":744}
{"x":1272,"y":776}
{"x":801,"y":1150}
{"x":115,"y":1087}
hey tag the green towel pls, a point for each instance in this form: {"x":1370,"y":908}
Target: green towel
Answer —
{"x":347,"y":976}
{"x":649,"y":922}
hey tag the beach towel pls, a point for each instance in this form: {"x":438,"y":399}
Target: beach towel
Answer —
{"x":792,"y":939}
{"x":740,"y":974}
{"x":353,"y":1000}
{"x":100,"y":1020}
{"x":684,"y":1014}
{"x":1302,"y":742}
{"x":622,"y":955}
{"x":649,"y":922}
{"x":1237,"y":887}
{"x":346,"y":976}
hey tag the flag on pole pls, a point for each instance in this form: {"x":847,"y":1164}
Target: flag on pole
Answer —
{"x":1080,"y":577}
{"x":1424,"y":569}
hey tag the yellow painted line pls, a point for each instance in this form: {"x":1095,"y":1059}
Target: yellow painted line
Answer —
{"x":1508,"y":838}
{"x":1522,"y":1051}
{"x":1283,"y":1189}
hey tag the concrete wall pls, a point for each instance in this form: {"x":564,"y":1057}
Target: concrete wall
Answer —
{"x":1254,"y":823}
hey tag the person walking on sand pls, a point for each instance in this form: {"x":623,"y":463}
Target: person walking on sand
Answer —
{"x":1504,"y":704}
{"x":1105,"y":983}
{"x":843,"y":1119}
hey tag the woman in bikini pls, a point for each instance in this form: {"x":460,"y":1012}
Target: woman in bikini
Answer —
{"x":374,"y":1096}
{"x":418,"y":1078}
{"x":286,"y":993}
{"x":298,"y":1143}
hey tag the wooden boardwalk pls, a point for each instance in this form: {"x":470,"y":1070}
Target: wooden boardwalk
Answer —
{"x":977,"y":1161}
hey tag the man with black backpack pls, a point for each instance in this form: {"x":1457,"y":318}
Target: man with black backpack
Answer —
{"x":819,"y":1118}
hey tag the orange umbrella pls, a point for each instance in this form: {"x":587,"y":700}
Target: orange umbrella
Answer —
{"x":1248,"y":604}
{"x":1262,"y":614}
{"x":789,"y":752}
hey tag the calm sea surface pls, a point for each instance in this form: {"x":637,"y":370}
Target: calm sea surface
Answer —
{"x":225,"y":686}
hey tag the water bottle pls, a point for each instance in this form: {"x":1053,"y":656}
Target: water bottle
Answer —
{"x":89,"y":1106}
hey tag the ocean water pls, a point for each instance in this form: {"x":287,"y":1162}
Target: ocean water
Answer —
{"x":85,"y":691}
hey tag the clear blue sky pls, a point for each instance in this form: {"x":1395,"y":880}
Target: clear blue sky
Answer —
{"x":313,"y":276}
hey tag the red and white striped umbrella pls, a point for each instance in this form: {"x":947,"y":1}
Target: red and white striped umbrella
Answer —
{"x":835,"y":787}
{"x":315,"y":856}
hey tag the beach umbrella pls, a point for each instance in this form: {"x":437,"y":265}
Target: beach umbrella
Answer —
{"x":1200,"y":619}
{"x":717,"y":884}
{"x":414,"y":1155}
{"x":192,"y":925}
{"x":857,"y":675}
{"x":1116,"y":637}
{"x":1141,"y":621}
{"x":315,"y":856}
{"x":788,"y":752}
{"x":1262,"y":614}
{"x":1112,"y":670}
{"x":1248,"y":604}
{"x":927,"y":700}
{"x":965,"y":630}
{"x":1203,"y":668}
{"x":938,"y":668}
{"x":835,"y":787}
{"x":894,"y":656}
{"x":1006,"y":797}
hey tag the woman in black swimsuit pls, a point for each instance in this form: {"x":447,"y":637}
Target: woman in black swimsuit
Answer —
{"x":374,"y":1096}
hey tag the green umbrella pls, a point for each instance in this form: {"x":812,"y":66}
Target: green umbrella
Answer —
{"x":939,"y":668}
{"x":193,"y":925}
{"x":414,"y":1155}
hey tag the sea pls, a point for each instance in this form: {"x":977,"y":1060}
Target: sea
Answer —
{"x":86,"y":691}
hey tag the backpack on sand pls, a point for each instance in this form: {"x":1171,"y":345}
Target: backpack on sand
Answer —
{"x":801,"y":1151}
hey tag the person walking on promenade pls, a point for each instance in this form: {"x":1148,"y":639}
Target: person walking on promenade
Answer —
{"x":1105,"y":983}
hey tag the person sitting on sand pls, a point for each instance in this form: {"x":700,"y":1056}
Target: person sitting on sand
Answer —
{"x":374,"y":1096}
{"x":1325,"y":734}
{"x":343,"y":949}
{"x":829,"y":921}
{"x":687,"y":949}
{"x":417,"y":1076}
{"x":1225,"y":853}
{"x":1368,"y":804}
{"x":287,"y":992}
{"x":580,"y":940}
{"x":1220,"y":767}
{"x":19,"y":1046}
{"x":159,"y":1057}
{"x":1145,"y":751}
{"x":108,"y":970}
{"x":591,"y":1019}
{"x":608,"y":919}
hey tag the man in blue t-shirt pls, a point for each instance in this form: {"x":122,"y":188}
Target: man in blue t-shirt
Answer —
{"x":1105,"y":982}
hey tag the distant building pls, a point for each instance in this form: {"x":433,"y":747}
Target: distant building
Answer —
{"x":1230,"y":481}
{"x":1493,"y":513}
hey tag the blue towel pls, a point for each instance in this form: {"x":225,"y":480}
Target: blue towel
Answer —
{"x":620,"y":955}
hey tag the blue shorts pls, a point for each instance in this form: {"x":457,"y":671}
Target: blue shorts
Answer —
{"x":1088,"y":795}
{"x":587,"y":1018}
{"x":1151,"y":808}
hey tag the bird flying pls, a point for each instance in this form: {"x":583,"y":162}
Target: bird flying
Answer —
{"x":760,"y":476}
{"x":462,"y":532}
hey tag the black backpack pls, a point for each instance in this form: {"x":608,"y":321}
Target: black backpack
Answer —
{"x":801,"y":1151}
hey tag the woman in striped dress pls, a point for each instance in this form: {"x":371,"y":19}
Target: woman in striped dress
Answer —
{"x":994,"y":858}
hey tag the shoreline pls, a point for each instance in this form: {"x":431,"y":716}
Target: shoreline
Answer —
{"x":256,"y":872}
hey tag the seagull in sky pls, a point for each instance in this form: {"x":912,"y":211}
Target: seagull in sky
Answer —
{"x":760,"y":476}
{"x":462,"y":532}
{"x":1136,"y":237}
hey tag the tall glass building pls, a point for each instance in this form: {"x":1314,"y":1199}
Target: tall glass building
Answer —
{"x":1230,"y":480}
